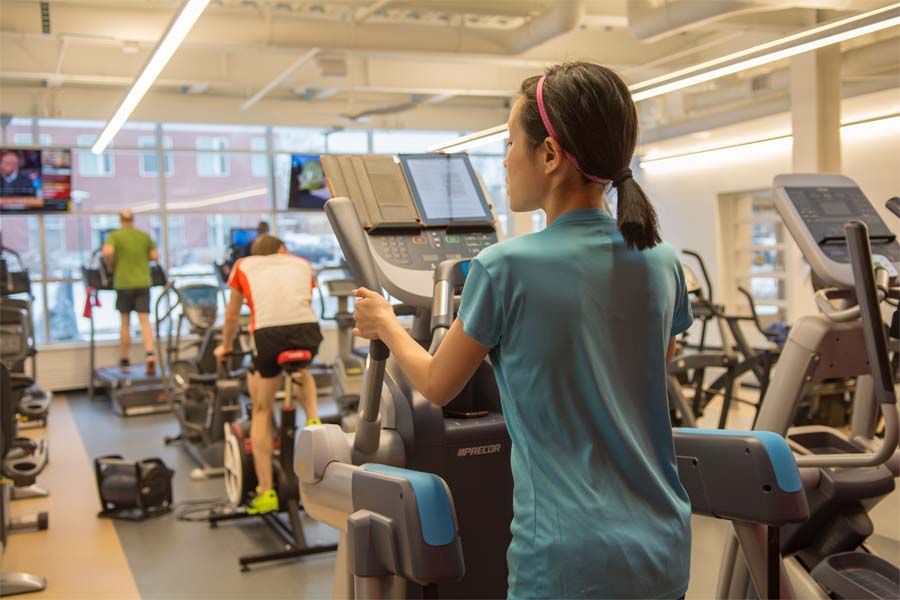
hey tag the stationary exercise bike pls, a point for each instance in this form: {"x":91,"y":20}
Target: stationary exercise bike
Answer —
{"x":19,"y":347}
{"x":202,"y":395}
{"x":240,"y":474}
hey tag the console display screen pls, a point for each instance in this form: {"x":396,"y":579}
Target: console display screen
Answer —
{"x":835,"y":208}
{"x":445,"y":188}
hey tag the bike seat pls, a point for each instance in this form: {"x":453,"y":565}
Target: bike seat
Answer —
{"x":294,"y":360}
{"x":202,"y":378}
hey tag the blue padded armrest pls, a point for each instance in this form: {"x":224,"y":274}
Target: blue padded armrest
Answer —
{"x":435,"y":512}
{"x":787,"y":476}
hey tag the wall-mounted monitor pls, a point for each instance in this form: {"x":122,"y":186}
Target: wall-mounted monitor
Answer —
{"x":240,"y":236}
{"x":33,"y":181}
{"x":308,"y":189}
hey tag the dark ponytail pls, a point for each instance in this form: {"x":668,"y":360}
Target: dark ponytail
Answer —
{"x":635,"y":215}
{"x":595,"y":120}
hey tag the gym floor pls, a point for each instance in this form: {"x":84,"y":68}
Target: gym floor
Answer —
{"x":85,"y":557}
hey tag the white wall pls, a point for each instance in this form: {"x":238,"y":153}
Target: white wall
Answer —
{"x":685,"y":195}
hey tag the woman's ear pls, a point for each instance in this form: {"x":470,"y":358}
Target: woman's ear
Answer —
{"x":551,"y":154}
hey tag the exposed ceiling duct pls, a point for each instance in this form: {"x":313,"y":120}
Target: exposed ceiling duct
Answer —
{"x":652,"y":20}
{"x":855,"y":63}
{"x":560,"y":18}
{"x":865,"y":69}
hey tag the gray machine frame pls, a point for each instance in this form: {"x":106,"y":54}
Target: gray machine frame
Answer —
{"x":13,"y":583}
{"x":203,"y":440}
{"x":396,"y":425}
{"x":34,"y":404}
{"x":844,"y":341}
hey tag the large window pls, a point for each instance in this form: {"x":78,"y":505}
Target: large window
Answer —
{"x":212,"y":164}
{"x":149,"y":162}
{"x":19,"y":127}
{"x":347,"y":142}
{"x":409,"y":142}
{"x":234,"y":189}
{"x":259,"y":162}
{"x":213,"y":178}
{"x":26,"y":138}
{"x":88,"y":164}
{"x":754,"y":253}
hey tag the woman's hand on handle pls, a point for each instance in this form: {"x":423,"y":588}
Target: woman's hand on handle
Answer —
{"x":373,"y":314}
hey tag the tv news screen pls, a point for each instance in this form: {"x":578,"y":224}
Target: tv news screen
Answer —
{"x":308,"y":189}
{"x":33,"y":181}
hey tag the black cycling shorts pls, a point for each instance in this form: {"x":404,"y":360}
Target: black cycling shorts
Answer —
{"x":135,"y":299}
{"x":269,"y":342}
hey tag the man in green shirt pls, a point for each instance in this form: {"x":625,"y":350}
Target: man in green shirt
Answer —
{"x":128,"y":251}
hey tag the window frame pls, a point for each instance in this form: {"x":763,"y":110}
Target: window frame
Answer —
{"x":222,"y":168}
{"x":104,"y":162}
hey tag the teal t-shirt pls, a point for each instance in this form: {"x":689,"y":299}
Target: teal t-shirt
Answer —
{"x":131,"y":262}
{"x":578,"y":325}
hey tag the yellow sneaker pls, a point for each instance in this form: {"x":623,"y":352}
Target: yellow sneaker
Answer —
{"x":313,"y":422}
{"x":263,"y":503}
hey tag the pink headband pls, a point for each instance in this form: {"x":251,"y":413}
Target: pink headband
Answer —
{"x":552,"y":132}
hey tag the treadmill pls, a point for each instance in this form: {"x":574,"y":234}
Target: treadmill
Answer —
{"x":131,"y":391}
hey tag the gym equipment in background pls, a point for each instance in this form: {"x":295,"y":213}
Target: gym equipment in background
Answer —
{"x":201,"y":394}
{"x":240,"y":475}
{"x":18,"y":347}
{"x":856,"y":257}
{"x":133,"y":490}
{"x":347,"y":368}
{"x":132,"y":391}
{"x":13,"y":583}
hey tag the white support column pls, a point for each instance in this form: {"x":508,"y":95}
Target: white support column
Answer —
{"x":816,"y":125}
{"x":816,"y":111}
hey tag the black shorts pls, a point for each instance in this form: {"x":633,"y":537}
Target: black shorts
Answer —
{"x":269,"y":342}
{"x":134,"y":299}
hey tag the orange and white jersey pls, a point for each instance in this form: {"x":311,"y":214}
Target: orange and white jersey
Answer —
{"x":277,"y":288}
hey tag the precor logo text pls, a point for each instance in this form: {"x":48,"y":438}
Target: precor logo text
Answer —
{"x":479,"y":450}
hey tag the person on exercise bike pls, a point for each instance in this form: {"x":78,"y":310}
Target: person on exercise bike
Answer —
{"x":277,"y":287}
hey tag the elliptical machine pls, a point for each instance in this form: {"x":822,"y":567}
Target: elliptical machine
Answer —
{"x":19,"y":347}
{"x":201,"y":394}
{"x":347,"y":369}
{"x":843,"y":476}
{"x":386,"y":243}
{"x":240,"y":474}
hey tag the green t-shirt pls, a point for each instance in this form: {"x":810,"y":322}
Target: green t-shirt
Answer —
{"x":131,"y":263}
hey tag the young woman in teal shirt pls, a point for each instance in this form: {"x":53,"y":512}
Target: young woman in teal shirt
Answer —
{"x":579,"y":320}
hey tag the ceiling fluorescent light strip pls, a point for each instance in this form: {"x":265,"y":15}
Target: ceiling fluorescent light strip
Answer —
{"x":168,"y":44}
{"x":763,"y":59}
{"x":824,"y":35}
{"x":882,"y":18}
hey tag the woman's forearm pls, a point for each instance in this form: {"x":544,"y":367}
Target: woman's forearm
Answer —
{"x":414,"y":360}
